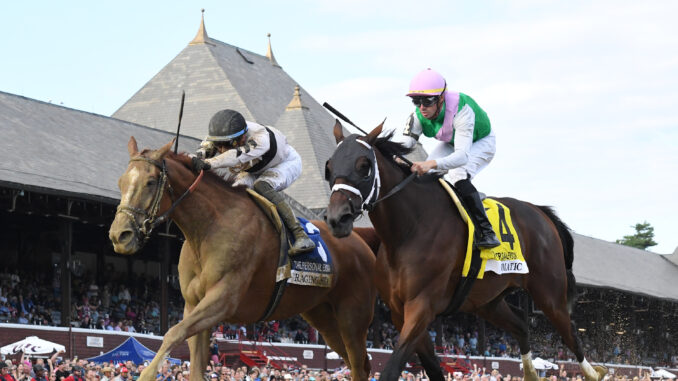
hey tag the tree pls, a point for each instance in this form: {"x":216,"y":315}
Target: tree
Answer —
{"x":642,"y":239}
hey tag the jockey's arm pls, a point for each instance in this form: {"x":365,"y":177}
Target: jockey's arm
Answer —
{"x":255,"y":146}
{"x":464,"y":122}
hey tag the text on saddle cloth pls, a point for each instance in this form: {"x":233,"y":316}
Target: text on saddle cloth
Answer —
{"x":503,"y":259}
{"x":314,"y":268}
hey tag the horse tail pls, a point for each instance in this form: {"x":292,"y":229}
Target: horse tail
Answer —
{"x":568,"y":248}
{"x":369,"y":235}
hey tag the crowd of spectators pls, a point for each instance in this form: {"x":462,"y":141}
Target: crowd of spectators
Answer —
{"x":114,"y":303}
{"x":58,"y":368}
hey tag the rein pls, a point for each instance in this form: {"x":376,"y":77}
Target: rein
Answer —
{"x":151,"y":220}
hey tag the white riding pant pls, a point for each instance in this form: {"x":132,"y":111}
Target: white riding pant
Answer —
{"x":283,"y":174}
{"x":479,"y":156}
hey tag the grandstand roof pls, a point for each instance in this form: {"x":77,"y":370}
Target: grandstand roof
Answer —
{"x":599,"y":263}
{"x":215,"y":76}
{"x":59,"y":150}
{"x":55,"y":148}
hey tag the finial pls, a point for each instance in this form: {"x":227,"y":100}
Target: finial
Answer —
{"x":269,"y":53}
{"x":201,"y":37}
{"x":295,"y":103}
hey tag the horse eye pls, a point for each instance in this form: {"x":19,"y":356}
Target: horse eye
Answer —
{"x":364,"y":168}
{"x":150,"y":182}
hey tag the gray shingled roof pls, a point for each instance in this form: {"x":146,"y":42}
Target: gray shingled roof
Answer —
{"x":306,"y":135}
{"x":67,"y":151}
{"x":605,"y":264}
{"x":63,"y":151}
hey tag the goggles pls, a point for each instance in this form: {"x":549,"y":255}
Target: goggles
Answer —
{"x":425,"y":101}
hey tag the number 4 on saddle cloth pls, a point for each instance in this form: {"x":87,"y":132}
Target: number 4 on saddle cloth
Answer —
{"x":314,"y":268}
{"x":503,"y":259}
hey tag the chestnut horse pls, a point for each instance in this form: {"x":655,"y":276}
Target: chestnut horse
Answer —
{"x":227,"y":266}
{"x":424,"y":241}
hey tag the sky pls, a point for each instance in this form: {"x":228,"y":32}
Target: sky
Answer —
{"x":582,"y":95}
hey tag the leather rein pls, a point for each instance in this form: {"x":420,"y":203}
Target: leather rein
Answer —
{"x":150,"y":218}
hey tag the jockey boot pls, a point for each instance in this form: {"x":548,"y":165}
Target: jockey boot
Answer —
{"x":302,"y":243}
{"x":476,"y":210}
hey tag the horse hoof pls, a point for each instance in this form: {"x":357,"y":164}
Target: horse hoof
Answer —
{"x":601,"y":370}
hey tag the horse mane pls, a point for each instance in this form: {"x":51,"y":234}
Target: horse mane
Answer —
{"x":390,"y":149}
{"x":186,"y":161}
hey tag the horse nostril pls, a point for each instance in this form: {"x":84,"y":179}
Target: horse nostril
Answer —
{"x":345,"y":219}
{"x":125,"y":236}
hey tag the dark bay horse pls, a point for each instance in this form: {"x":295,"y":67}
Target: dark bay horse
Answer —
{"x":227,"y":266}
{"x":424,"y":240}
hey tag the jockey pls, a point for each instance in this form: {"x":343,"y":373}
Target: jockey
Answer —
{"x":466,"y":141}
{"x":258,"y":157}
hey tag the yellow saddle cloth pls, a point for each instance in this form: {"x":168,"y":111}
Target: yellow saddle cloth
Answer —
{"x":503,"y":259}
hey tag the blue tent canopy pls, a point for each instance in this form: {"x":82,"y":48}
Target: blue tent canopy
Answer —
{"x":132,"y":350}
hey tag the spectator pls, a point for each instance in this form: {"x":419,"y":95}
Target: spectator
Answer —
{"x":39,"y":371}
{"x":107,"y":372}
{"x":214,"y":350}
{"x":123,"y":376}
{"x":61,"y":372}
{"x":76,"y":375}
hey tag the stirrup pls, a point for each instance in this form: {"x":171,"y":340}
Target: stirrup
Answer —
{"x":301,"y":245}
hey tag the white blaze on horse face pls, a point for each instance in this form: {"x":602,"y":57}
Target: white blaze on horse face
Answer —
{"x":133,"y":176}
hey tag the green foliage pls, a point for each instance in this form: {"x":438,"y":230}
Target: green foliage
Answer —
{"x":643,"y":238}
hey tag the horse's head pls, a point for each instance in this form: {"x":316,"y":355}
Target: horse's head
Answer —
{"x":141,"y":191}
{"x":354,"y":178}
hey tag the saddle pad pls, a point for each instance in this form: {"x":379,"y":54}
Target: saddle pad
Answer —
{"x":313,"y":268}
{"x":503,"y":259}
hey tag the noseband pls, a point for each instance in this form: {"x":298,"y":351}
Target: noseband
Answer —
{"x":150,"y":218}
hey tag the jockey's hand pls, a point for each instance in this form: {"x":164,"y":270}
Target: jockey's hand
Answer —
{"x":421,"y":167}
{"x":199,"y":164}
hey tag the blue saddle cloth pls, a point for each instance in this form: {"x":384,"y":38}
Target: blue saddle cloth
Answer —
{"x":313,"y":268}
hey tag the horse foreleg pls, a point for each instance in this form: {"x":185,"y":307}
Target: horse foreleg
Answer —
{"x":206,"y":314}
{"x":427,"y":355}
{"x":198,"y":346}
{"x":418,"y":315}
{"x":322,"y":318}
{"x":347,"y":339}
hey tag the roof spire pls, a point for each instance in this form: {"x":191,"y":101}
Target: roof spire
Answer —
{"x":295,"y":103}
{"x":269,"y":53}
{"x":201,"y":37}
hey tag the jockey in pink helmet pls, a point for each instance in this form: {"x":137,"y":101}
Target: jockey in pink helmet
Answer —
{"x":466,"y":141}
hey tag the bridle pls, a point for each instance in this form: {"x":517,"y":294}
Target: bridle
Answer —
{"x":150,"y":218}
{"x":367,"y":202}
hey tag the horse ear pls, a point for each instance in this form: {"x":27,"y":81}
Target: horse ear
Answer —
{"x":162,"y":151}
{"x":372,"y":136}
{"x":132,"y":146}
{"x":338,"y":131}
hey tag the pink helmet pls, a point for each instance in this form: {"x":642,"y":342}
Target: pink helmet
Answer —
{"x":427,"y":83}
